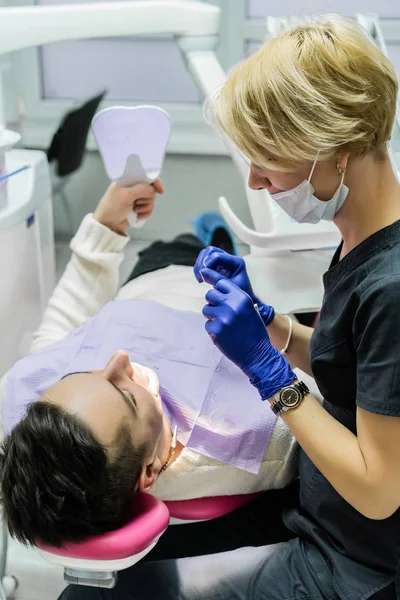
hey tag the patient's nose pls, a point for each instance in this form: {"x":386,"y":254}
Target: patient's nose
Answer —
{"x":119,"y":366}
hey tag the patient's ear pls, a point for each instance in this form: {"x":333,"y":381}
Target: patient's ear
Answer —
{"x":149,"y":475}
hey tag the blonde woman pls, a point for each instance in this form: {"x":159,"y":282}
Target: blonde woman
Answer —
{"x":313,"y":110}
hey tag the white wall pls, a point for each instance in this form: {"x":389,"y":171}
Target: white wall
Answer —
{"x":193,"y":184}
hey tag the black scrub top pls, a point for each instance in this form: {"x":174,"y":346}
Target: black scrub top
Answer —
{"x":355,"y":359}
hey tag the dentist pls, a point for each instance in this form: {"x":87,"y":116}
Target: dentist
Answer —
{"x":314,"y":110}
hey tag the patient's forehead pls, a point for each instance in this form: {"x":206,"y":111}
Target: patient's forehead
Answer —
{"x":80,"y":389}
{"x":94,"y":400}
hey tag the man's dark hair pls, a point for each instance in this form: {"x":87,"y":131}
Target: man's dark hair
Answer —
{"x":58,"y":484}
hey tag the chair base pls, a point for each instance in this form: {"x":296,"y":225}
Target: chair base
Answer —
{"x":103,"y":579}
{"x":94,"y":573}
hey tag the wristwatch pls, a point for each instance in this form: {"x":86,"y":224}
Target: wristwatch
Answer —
{"x":289,"y":397}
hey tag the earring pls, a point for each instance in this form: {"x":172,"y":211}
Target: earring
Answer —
{"x":341,"y":171}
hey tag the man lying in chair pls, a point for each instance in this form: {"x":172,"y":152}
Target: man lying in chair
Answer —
{"x":87,"y":428}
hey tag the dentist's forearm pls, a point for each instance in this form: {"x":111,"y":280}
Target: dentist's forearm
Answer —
{"x":298,"y":353}
{"x":336,"y":452}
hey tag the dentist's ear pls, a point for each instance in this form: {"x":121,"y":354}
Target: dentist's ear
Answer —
{"x":341,"y":163}
{"x":149,"y":475}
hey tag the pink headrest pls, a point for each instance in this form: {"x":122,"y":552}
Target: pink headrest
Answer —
{"x":148,"y":519}
{"x":202,"y":509}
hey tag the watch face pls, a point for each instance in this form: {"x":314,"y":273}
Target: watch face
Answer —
{"x":290,"y":397}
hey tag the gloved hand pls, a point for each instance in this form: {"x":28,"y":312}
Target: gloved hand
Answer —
{"x":237,"y":330}
{"x":230,"y":267}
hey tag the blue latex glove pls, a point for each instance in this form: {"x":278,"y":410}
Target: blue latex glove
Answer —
{"x":237,"y":330}
{"x":232,"y":268}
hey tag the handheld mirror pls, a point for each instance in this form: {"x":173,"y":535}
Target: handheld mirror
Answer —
{"x":132,"y":142}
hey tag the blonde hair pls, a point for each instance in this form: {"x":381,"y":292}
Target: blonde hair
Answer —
{"x":313,"y":89}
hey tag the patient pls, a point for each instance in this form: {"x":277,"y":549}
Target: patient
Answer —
{"x":87,"y":428}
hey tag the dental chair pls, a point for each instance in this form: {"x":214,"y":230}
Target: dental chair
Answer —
{"x":96,"y":562}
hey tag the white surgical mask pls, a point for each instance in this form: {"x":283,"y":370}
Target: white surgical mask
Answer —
{"x":301,"y":204}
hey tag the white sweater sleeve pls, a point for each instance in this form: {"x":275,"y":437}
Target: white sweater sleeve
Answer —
{"x":90,"y":280}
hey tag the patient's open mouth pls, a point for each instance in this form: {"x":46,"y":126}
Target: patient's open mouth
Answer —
{"x":146,"y":377}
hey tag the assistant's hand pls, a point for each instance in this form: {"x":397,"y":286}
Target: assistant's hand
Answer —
{"x":235,"y":326}
{"x":214,"y":264}
{"x":118,"y":202}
